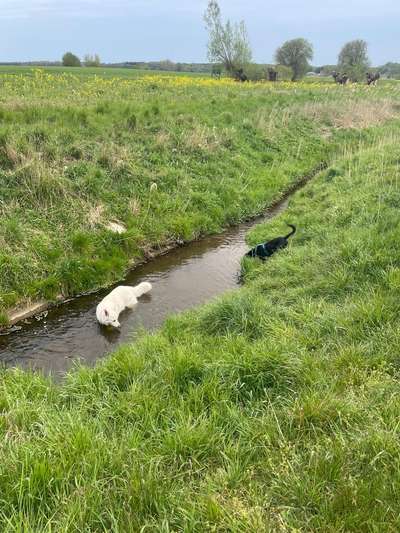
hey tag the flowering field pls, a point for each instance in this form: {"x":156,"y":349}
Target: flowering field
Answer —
{"x":40,"y":83}
{"x":80,"y":152}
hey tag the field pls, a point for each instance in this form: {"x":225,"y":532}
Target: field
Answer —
{"x":169,"y":158}
{"x":272,"y":409}
{"x":87,"y":72}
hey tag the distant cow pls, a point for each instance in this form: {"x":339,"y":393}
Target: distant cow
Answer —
{"x":241,"y":76}
{"x":272,"y":74}
{"x":216,"y":71}
{"x":372,"y":78}
{"x":341,"y":79}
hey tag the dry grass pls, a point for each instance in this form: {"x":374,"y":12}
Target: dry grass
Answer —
{"x":95,"y":215}
{"x":162,"y":138}
{"x":356,"y":114}
{"x":348,"y":114}
{"x":134,"y":206}
{"x":270,"y":121}
{"x":10,"y":156}
{"x":202,"y":138}
{"x":113,"y":156}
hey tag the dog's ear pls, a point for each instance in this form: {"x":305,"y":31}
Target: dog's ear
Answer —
{"x":106,"y":312}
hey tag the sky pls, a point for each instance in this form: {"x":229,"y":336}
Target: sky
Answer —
{"x":145,"y":30}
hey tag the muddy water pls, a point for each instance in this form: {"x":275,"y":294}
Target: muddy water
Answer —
{"x":182,"y":279}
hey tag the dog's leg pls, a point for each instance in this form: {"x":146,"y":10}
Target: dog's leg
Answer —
{"x":132,"y":303}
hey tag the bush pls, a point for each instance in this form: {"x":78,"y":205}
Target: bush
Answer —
{"x":284,"y":73}
{"x":259,"y":72}
{"x":71,"y":60}
{"x":255,"y":72}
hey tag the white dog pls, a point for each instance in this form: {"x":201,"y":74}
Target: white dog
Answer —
{"x":121,"y":298}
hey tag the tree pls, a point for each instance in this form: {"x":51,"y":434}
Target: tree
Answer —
{"x":390,"y":70}
{"x":167,"y":65}
{"x":71,"y":60}
{"x":228,"y":43}
{"x":353,"y":59}
{"x":92,"y":60}
{"x":295,"y":54}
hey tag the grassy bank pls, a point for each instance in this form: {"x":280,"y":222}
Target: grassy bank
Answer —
{"x":273,"y":409}
{"x":168,"y":158}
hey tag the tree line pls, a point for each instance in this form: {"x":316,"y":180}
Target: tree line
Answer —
{"x":90,"y":60}
{"x":229,"y":48}
{"x":229,"y":51}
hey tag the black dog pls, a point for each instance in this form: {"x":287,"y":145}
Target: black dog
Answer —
{"x":262,"y":251}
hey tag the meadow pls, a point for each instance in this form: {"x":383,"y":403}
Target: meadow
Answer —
{"x":273,"y":409}
{"x":87,"y":72}
{"x":170,"y":158}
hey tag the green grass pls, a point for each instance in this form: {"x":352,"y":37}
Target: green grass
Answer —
{"x":77,"y":153}
{"x":274,"y":408}
{"x":85,"y":72}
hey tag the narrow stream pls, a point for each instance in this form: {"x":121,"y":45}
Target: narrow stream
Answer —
{"x":183,"y":278}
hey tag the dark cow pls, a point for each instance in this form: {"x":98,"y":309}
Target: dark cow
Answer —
{"x":272,"y":74}
{"x":240,"y":75}
{"x":216,"y":71}
{"x":372,"y":78}
{"x":341,"y":79}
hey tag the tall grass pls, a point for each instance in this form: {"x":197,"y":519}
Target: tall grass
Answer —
{"x":79,"y":152}
{"x":274,"y":408}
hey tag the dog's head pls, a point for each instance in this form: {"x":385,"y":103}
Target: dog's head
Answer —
{"x":109,"y":318}
{"x":143,"y":288}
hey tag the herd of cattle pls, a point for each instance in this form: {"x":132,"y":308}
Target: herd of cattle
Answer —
{"x":341,"y":79}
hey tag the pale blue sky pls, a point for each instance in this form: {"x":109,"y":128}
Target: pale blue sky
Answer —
{"x":129,"y":30}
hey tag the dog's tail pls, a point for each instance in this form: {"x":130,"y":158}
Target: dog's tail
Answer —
{"x":142,"y":288}
{"x":292,"y":232}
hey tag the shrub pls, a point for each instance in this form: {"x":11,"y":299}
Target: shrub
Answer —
{"x":71,"y":60}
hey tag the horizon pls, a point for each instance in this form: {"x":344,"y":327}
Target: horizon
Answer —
{"x":123,"y":31}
